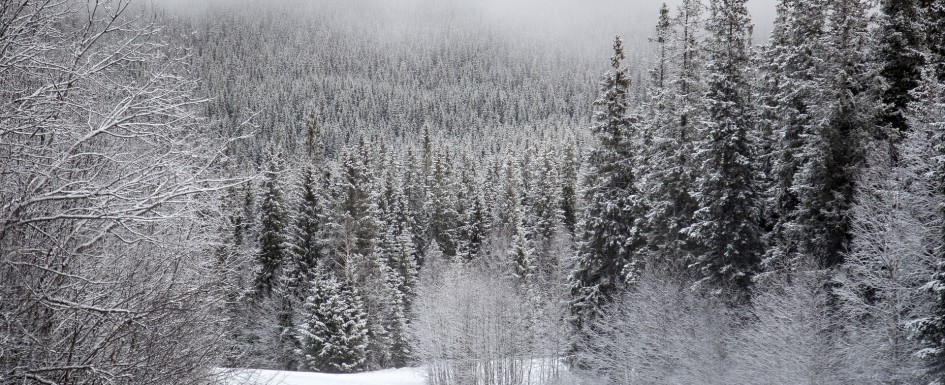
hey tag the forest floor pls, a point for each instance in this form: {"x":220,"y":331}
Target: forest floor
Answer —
{"x":403,"y":376}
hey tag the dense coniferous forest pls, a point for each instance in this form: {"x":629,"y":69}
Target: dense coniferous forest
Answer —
{"x":476,"y":190}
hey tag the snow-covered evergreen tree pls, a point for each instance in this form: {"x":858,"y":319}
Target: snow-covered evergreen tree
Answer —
{"x":272,"y":237}
{"x":792,"y":93}
{"x":669,"y":168}
{"x":309,"y":244}
{"x":569,"y":187}
{"x":933,"y":26}
{"x":522,"y":251}
{"x":610,"y":231}
{"x":359,"y":216}
{"x":333,"y":334}
{"x":726,"y":226}
{"x":398,"y":256}
{"x":418,"y":198}
{"x":899,"y":47}
{"x":444,"y":219}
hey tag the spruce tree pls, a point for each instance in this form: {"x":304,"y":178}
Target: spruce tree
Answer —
{"x":933,"y":26}
{"x":669,"y":175}
{"x":690,"y":84}
{"x":522,"y":251}
{"x":309,"y":245}
{"x":399,"y":256}
{"x":569,"y":188}
{"x":313,"y":228}
{"x":232,"y":260}
{"x":611,"y":224}
{"x":475,"y":226}
{"x":444,"y":218}
{"x":333,"y":334}
{"x":899,"y":50}
{"x":285,"y":305}
{"x":359,"y":215}
{"x":726,"y":226}
{"x":820,"y":105}
{"x":546,"y":199}
{"x":419,"y":205}
{"x":793,"y":86}
{"x":272,"y":237}
{"x":545,"y":216}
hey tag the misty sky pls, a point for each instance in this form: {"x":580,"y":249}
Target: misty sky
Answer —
{"x":580,"y":19}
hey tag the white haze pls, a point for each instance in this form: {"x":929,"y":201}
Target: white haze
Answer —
{"x":581,"y":27}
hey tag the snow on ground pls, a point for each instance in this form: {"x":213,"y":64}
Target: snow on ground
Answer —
{"x":403,"y":376}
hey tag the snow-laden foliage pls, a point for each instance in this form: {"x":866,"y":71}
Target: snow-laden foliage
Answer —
{"x":726,"y":226}
{"x":333,"y":334}
{"x":880,"y":283}
{"x":470,"y":327}
{"x":610,"y":230}
{"x":441,"y":194}
{"x":108,"y":194}
{"x":821,"y":114}
{"x":658,"y":332}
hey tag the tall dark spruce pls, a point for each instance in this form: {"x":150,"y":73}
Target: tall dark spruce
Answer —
{"x":610,"y":230}
{"x":726,"y":227}
{"x":898,"y":49}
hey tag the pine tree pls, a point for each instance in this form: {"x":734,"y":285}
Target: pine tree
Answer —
{"x":233,"y":259}
{"x":419,"y":206}
{"x":311,"y":228}
{"x":669,"y":176}
{"x":726,"y":224}
{"x":899,"y":50}
{"x":359,"y":214}
{"x":444,"y":219}
{"x":401,"y":271}
{"x":333,"y":335}
{"x":793,"y":83}
{"x":309,"y":245}
{"x":610,"y":227}
{"x":273,"y":222}
{"x":933,"y":27}
{"x":522,"y":251}
{"x":569,"y":181}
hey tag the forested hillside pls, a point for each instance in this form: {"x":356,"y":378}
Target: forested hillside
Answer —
{"x":495,"y":193}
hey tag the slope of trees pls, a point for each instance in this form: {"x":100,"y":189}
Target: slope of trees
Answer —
{"x":722,"y":213}
{"x":765,"y":206}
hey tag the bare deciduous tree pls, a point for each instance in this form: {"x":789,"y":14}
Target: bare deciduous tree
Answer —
{"x":105,"y":201}
{"x":471,"y":327}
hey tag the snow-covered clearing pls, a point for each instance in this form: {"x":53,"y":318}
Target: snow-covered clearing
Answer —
{"x":403,"y":376}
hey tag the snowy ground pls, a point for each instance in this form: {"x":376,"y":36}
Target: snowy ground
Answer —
{"x":404,"y":376}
